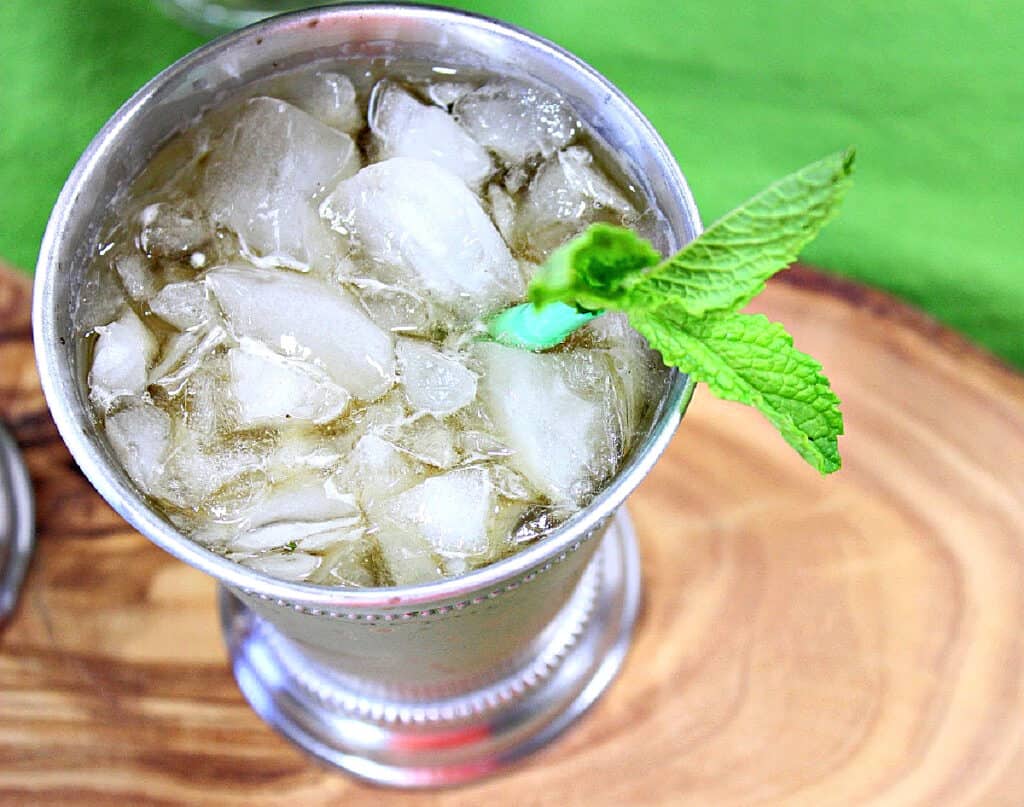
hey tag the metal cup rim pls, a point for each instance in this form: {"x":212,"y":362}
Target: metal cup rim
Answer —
{"x":122,"y":496}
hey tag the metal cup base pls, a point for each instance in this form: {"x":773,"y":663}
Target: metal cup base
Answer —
{"x":418,"y":743}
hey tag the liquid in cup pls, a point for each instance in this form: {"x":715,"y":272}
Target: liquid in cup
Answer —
{"x":285,"y":322}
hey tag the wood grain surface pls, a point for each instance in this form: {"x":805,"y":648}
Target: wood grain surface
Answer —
{"x":848,"y":641}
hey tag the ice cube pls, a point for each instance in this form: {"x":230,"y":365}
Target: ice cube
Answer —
{"x":121,"y":358}
{"x":481,"y":445}
{"x":197,"y":471}
{"x":307,"y":499}
{"x":587,"y":373}
{"x":634,"y":370}
{"x":410,"y":559}
{"x":140,"y":436}
{"x":184,"y":305}
{"x":417,"y":217}
{"x":516,"y":177}
{"x":262,"y":177}
{"x":331,"y":98}
{"x":613,"y":330}
{"x":617,"y":379}
{"x":434,"y":382}
{"x":377,"y":470}
{"x":206,"y":405}
{"x":328,"y":534}
{"x":428,"y":440}
{"x":183,"y":356}
{"x":516,"y":121}
{"x":136,"y":276}
{"x":451,"y":511}
{"x":394,"y":308}
{"x":294,"y":566}
{"x":403,"y":127}
{"x":383,"y":415}
{"x":446,"y":93}
{"x":270,"y":388}
{"x":303,"y":318}
{"x":509,"y":484}
{"x":344,"y":565}
{"x":503,"y":210}
{"x":562,"y":442}
{"x":303,"y":449}
{"x":172,"y":231}
{"x":100,"y":298}
{"x":308,"y":535}
{"x":567,"y":194}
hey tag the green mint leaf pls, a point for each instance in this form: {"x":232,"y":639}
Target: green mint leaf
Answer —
{"x":726,"y":266}
{"x":723,"y":269}
{"x":593,"y":270}
{"x":749,"y":359}
{"x":686,"y":305}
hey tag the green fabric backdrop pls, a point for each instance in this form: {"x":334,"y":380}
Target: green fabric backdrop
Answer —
{"x":931,"y":92}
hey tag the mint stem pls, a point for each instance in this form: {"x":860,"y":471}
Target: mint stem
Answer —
{"x":531,"y":327}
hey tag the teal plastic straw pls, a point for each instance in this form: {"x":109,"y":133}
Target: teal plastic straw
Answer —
{"x":531,"y":328}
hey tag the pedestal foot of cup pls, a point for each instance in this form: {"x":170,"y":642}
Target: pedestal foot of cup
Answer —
{"x":423,"y":744}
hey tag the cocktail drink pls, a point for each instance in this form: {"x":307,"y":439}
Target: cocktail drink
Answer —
{"x":285,"y":332}
{"x":258,"y":318}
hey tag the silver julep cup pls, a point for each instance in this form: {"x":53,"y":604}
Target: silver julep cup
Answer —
{"x":413,"y":686}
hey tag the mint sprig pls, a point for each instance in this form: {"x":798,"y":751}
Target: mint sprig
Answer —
{"x":727,"y":266}
{"x":595,"y":270}
{"x":687,"y":305}
{"x":750,"y":359}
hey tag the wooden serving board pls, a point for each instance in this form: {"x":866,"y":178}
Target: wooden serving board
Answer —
{"x":848,"y":641}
